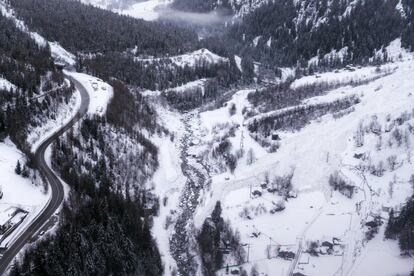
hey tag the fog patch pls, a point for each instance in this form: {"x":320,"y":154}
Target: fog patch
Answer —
{"x":211,"y":18}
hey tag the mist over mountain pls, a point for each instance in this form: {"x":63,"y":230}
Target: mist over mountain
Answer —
{"x":112,"y":4}
{"x":206,"y":137}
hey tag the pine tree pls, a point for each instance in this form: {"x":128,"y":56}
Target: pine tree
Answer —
{"x":389,"y":229}
{"x":18,"y":169}
{"x":216,"y":214}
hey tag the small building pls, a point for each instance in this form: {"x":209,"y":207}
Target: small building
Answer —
{"x":327,"y":244}
{"x":257,"y":193}
{"x":386,"y":208}
{"x":275,"y":137}
{"x":278,"y":207}
{"x":286,"y":252}
{"x":10,"y":219}
{"x":336,"y":241}
{"x":359,"y":155}
{"x":59,"y":65}
{"x":292,"y":194}
{"x":323,"y":250}
{"x":272,"y":190}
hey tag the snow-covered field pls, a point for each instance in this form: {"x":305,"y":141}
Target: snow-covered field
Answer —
{"x":326,"y":145}
{"x":59,"y":54}
{"x":168,"y":181}
{"x":100,"y":93}
{"x":18,"y":191}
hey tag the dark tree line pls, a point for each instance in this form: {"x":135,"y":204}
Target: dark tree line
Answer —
{"x":297,"y":34}
{"x":407,"y":38}
{"x":157,"y":74}
{"x":26,"y":64}
{"x":283,"y":95}
{"x":128,"y":109}
{"x":216,"y":239}
{"x":101,"y":234}
{"x":194,"y":97}
{"x":79,"y":27}
{"x":20,"y":113}
{"x":105,"y":224}
{"x":22,"y":61}
{"x":297,"y":117}
{"x":204,"y":6}
{"x":401,"y":227}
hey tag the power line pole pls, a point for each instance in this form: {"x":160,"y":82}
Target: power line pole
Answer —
{"x":248,"y":251}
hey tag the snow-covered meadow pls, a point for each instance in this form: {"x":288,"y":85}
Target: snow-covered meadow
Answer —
{"x":18,"y":191}
{"x":100,"y":93}
{"x":317,"y":214}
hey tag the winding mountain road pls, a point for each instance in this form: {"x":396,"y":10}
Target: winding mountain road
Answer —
{"x":54,"y":182}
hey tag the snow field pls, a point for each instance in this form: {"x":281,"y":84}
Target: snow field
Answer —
{"x":100,"y":93}
{"x":168,"y":182}
{"x":315,"y":152}
{"x":6,"y":85}
{"x":18,"y":191}
{"x":147,"y":10}
{"x":189,"y":59}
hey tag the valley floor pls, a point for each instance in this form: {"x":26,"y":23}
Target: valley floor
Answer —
{"x":311,"y":154}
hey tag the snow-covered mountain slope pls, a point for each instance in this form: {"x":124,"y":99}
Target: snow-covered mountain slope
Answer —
{"x":6,"y":85}
{"x":189,"y":59}
{"x":18,"y":192}
{"x":147,"y":10}
{"x":329,"y":228}
{"x":111,"y":4}
{"x":58,"y":53}
{"x":190,"y":86}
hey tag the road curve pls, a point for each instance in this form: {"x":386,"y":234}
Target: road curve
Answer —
{"x":55,"y":185}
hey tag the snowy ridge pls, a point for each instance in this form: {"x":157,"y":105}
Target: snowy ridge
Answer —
{"x":190,"y":59}
{"x":6,"y":85}
{"x":147,"y":10}
{"x":192,"y":85}
{"x":394,"y":52}
{"x":243,"y":7}
{"x":8,"y":12}
{"x":346,"y":76}
{"x":58,"y":53}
